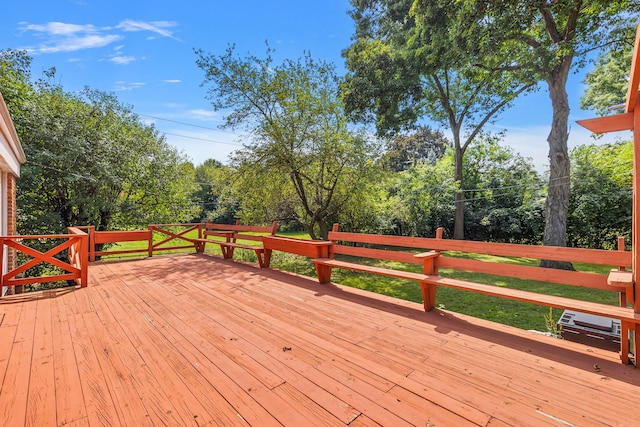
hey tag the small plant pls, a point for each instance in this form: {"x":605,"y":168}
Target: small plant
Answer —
{"x":552,"y":326}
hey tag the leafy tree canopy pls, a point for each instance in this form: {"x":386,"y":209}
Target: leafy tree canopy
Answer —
{"x":304,"y":160}
{"x":402,"y":68}
{"x":407,"y":149}
{"x":542,"y":40}
{"x":90,"y":160}
{"x":608,"y":82}
{"x":601,"y":195}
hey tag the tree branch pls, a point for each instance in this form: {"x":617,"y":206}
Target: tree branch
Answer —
{"x":550,"y":23}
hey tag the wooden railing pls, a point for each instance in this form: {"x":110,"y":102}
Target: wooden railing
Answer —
{"x":171,"y":236}
{"x":619,"y":259}
{"x":168,"y":240}
{"x":75,"y":269}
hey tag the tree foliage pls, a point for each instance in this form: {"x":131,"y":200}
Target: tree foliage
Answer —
{"x":504,"y":197}
{"x":601,"y":195}
{"x":420,"y":199}
{"x":422,"y":144}
{"x":607,"y":83}
{"x":15,"y":77}
{"x":218,"y":202}
{"x":398,"y":74}
{"x":544,"y":40}
{"x":303,"y":160}
{"x":90,"y":161}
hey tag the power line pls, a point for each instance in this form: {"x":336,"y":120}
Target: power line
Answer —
{"x":195,"y":126}
{"x":235,"y":144}
{"x":184,"y":123}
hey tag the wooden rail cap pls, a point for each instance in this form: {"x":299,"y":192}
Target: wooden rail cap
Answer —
{"x":303,"y":247}
{"x":430,"y":254}
{"x":620,"y":278}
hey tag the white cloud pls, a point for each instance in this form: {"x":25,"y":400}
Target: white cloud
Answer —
{"x":63,"y":37}
{"x":207,"y":114}
{"x":172,"y":81}
{"x":158,"y":27}
{"x":122,"y":86}
{"x":59,"y":28}
{"x":532,"y":141}
{"x":122,"y":60}
{"x":66,"y":37}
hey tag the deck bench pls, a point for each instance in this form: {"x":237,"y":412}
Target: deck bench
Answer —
{"x":402,"y":249}
{"x":303,"y":247}
{"x":231,"y":234}
{"x":210,"y":229}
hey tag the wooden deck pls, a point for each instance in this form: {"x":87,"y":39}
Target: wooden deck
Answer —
{"x":195,"y":340}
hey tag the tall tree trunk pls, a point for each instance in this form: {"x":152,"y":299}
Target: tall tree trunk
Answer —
{"x":458,"y":225}
{"x":324,"y":229}
{"x":557,"y":205}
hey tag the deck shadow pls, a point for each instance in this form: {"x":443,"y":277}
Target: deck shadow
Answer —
{"x":441,"y":321}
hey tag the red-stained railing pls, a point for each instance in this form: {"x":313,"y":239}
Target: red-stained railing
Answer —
{"x":171,"y":239}
{"x":76,"y":244}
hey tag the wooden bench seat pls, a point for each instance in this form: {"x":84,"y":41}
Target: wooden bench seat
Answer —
{"x":364,"y":268}
{"x":621,"y":313}
{"x":251,"y":233}
{"x":231,"y":233}
{"x":302,"y":247}
{"x":606,"y":310}
{"x":399,"y":249}
{"x":228,"y":248}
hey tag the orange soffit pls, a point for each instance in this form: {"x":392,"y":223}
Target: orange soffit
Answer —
{"x":634,"y":75}
{"x":620,"y":122}
{"x":614,"y":123}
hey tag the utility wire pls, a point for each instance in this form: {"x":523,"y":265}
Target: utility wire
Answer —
{"x":204,"y":139}
{"x":184,"y":123}
{"x":526,"y":186}
{"x":195,"y":126}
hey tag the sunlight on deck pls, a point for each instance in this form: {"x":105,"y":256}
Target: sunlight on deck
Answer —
{"x":197,"y":340}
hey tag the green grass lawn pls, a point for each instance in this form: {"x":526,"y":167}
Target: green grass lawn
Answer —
{"x":514,"y":313}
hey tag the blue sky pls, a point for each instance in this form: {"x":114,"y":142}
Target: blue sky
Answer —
{"x":143,"y":52}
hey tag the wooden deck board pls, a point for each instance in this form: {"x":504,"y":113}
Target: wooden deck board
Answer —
{"x":15,"y":385}
{"x":196,"y":340}
{"x":97,"y":398}
{"x":41,"y":402}
{"x":67,"y":376}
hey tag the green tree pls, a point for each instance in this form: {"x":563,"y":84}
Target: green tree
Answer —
{"x":215,"y":193}
{"x":504,"y":197}
{"x":15,"y":78}
{"x":90,"y":161}
{"x":608,"y":82}
{"x":304,"y":160}
{"x":601,"y":195}
{"x":544,"y":39}
{"x":396,"y":77}
{"x":504,"y":194}
{"x":422,"y":144}
{"x":420,"y":199}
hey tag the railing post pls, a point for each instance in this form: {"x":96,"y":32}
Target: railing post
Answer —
{"x":439,"y":234}
{"x":150,"y":244}
{"x":84,"y":257}
{"x":623,"y":295}
{"x":430,"y":268}
{"x":92,"y":245}
{"x":2,"y":268}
